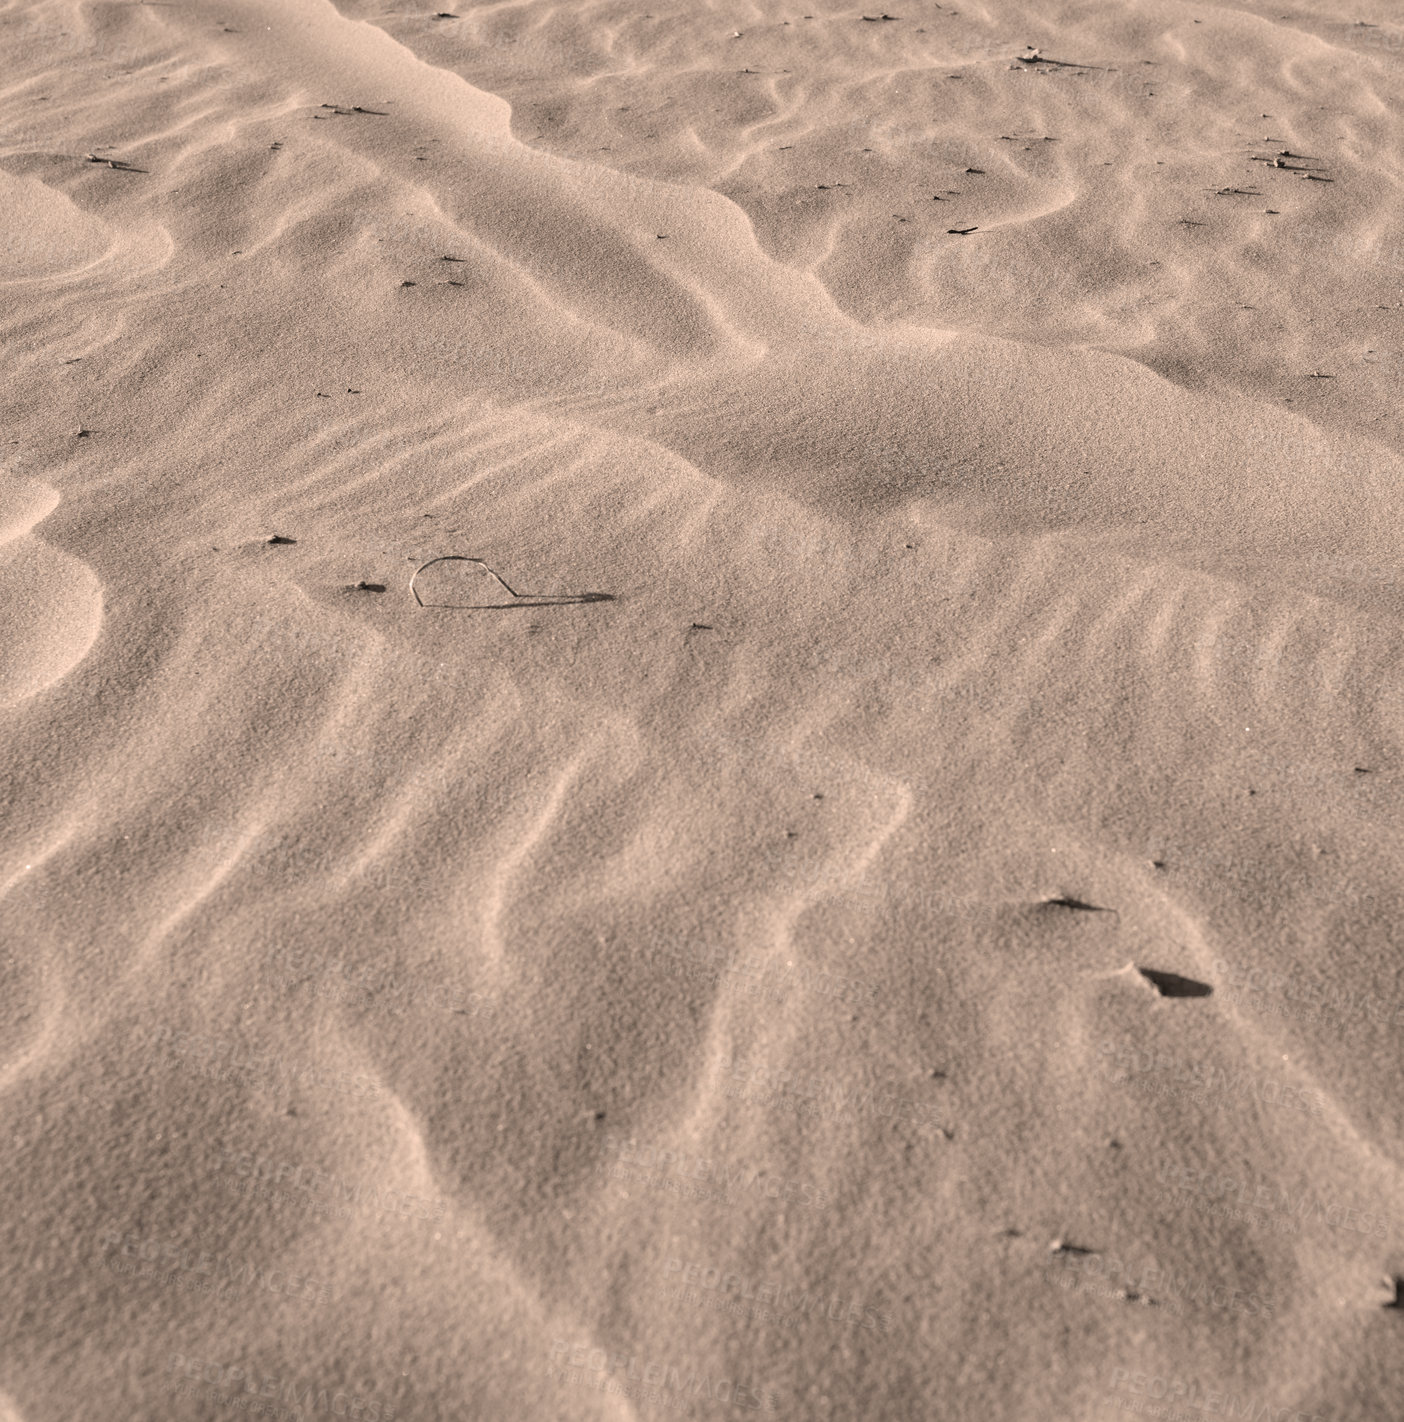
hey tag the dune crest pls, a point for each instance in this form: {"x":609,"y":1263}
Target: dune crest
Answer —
{"x":50,"y":601}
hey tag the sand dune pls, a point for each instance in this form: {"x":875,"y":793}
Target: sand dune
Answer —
{"x":701,"y":710}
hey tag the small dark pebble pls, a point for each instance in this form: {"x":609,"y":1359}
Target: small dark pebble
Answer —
{"x":370,"y":587}
{"x":278,"y":538}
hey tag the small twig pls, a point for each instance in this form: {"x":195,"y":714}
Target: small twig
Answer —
{"x":1066,"y":901}
{"x":1279,"y":162}
{"x":1037,"y":58}
{"x":520,"y":599}
{"x":119,"y":164}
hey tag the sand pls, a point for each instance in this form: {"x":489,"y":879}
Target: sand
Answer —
{"x":701,"y":710}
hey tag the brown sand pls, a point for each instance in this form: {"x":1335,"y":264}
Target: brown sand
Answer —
{"x":493,"y":1000}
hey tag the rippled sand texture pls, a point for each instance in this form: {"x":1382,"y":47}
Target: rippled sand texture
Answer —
{"x":919,"y":545}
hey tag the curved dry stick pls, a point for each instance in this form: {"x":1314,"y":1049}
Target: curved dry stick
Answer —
{"x":454,"y":558}
{"x":521,"y":599}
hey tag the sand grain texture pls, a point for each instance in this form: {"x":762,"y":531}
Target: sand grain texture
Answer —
{"x":701,"y":710}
